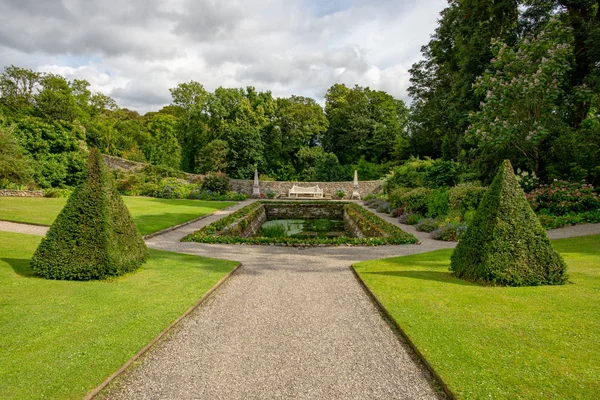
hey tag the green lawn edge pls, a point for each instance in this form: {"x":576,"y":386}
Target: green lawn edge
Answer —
{"x":61,"y":339}
{"x":150,"y":214}
{"x":498,"y":342}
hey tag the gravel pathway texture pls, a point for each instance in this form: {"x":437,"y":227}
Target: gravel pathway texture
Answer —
{"x":291,"y":323}
{"x":27,"y":229}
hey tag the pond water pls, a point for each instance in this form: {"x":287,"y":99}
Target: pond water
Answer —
{"x":315,"y":228}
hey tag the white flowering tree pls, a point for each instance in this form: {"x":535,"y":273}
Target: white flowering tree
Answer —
{"x":522,"y":93}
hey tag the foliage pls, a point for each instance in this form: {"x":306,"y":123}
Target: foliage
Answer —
{"x":377,"y":231}
{"x":362,"y":122}
{"x":441,"y":84}
{"x":426,"y":225}
{"x":410,"y":174}
{"x":172,"y":188}
{"x":14,"y":166}
{"x":274,"y":230}
{"x":396,"y":212}
{"x":561,"y":197}
{"x":450,"y":232}
{"x":212,"y":157}
{"x":409,"y":218}
{"x":58,"y":193}
{"x":528,"y":181}
{"x":216,"y":182}
{"x":466,"y":196}
{"x":522,"y":91}
{"x":414,"y":200}
{"x":165,"y":149}
{"x":340,"y":194}
{"x":558,"y":221}
{"x":438,"y":203}
{"x":384,"y":208}
{"x":94,"y":236}
{"x":505,"y":244}
{"x":271,"y":194}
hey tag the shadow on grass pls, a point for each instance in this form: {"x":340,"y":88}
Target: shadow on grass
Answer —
{"x":20,"y":266}
{"x":443,"y":277}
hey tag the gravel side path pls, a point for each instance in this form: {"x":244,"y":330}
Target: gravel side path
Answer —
{"x":28,"y":229}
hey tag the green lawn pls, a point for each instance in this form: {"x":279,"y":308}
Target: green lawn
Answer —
{"x":60,"y":339}
{"x":150,"y":215}
{"x":499,"y":343}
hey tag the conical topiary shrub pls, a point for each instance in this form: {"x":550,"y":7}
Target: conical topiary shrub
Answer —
{"x":506,"y":244}
{"x":94,"y":236}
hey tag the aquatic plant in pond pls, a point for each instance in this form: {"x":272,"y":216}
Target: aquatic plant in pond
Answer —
{"x":281,"y":228}
{"x":300,"y":228}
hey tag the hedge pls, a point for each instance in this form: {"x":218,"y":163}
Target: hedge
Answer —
{"x":94,"y":236}
{"x":506,"y":245}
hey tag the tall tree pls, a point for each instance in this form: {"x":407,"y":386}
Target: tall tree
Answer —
{"x":458,"y":52}
{"x":523,"y":91}
{"x":362,"y":122}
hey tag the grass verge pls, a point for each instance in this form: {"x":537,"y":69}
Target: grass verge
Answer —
{"x":150,"y":214}
{"x":498,"y":342}
{"x":60,"y":339}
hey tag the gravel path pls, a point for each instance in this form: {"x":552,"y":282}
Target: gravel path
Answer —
{"x":291,"y":323}
{"x":28,"y":229}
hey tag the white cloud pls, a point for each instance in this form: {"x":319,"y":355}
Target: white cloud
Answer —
{"x":135,"y":51}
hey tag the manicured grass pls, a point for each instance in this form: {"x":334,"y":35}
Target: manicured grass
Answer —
{"x":498,"y":342}
{"x":60,"y":339}
{"x":150,"y":215}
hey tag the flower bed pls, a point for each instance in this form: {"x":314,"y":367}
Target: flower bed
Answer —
{"x":374,"y":230}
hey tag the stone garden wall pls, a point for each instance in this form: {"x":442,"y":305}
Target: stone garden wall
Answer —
{"x":245,"y":186}
{"x":288,"y":210}
{"x":329,"y":188}
{"x":21,"y":193}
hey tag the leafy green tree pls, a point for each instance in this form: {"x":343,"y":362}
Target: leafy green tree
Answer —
{"x":55,"y":100}
{"x":583,"y":17}
{"x":362,"y":122}
{"x":191,"y":98}
{"x":58,"y":150}
{"x":245,"y":151}
{"x":165,"y":150}
{"x":297,"y":122}
{"x":441,"y":84}
{"x":17,"y":87}
{"x":522,"y":91}
{"x":213,"y":157}
{"x":14,"y":166}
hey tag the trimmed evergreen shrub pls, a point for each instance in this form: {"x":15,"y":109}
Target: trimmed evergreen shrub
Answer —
{"x":94,"y":236}
{"x":505,"y":244}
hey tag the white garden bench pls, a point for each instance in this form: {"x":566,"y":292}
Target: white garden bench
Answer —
{"x":313,"y":191}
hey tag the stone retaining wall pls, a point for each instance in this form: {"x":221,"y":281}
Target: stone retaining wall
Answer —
{"x":329,"y":188}
{"x":304,"y":211}
{"x":21,"y":193}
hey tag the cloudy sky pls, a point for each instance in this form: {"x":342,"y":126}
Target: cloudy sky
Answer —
{"x":135,"y":50}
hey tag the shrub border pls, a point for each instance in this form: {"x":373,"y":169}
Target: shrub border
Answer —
{"x":365,"y":219}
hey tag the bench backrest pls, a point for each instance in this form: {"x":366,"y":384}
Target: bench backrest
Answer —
{"x":312,"y":189}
